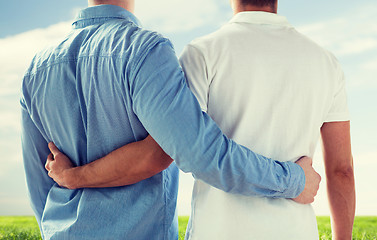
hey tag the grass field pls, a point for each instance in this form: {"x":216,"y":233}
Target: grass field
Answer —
{"x":26,"y":228}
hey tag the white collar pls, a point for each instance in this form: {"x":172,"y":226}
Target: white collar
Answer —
{"x":259,"y":17}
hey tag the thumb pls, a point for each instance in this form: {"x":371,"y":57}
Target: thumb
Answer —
{"x":310,"y":161}
{"x":54,"y":150}
{"x":48,"y":162}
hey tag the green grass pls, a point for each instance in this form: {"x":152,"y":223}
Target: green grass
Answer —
{"x":365,"y":228}
{"x":26,"y":228}
{"x":17,"y":228}
{"x":182,"y":222}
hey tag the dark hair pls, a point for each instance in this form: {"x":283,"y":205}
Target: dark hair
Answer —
{"x":259,"y":3}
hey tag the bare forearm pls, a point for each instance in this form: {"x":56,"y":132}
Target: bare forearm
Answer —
{"x":82,"y":178}
{"x":338,"y":161}
{"x":341,"y":194}
{"x":126,"y":165}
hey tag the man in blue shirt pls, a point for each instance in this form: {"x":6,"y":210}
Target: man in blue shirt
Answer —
{"x":109,"y":83}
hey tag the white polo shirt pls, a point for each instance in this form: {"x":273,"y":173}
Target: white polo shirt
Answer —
{"x":270,"y":89}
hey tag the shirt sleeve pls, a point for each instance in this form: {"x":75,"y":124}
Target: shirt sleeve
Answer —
{"x":339,"y":109}
{"x":171,"y":114}
{"x":35,"y":152}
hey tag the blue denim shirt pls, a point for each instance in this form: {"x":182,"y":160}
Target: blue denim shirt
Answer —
{"x":109,"y":83}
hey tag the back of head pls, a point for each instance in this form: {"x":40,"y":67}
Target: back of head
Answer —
{"x":126,"y":4}
{"x":258,"y":3}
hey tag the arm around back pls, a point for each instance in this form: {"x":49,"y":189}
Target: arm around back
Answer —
{"x":126,"y":165}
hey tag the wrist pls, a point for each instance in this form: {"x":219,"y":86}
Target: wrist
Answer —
{"x":297,"y":179}
{"x":72,"y":177}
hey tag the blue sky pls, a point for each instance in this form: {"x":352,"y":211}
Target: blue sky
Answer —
{"x":346,"y":28}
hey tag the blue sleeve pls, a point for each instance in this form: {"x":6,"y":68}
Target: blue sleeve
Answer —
{"x":35,"y":152}
{"x":171,"y":114}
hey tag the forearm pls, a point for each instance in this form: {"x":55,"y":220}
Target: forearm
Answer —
{"x":124,"y":166}
{"x":341,"y":194}
{"x":338,"y":161}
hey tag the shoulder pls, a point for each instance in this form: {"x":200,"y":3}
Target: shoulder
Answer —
{"x":147,"y":40}
{"x":315,"y":48}
{"x":134,"y":43}
{"x":41,"y":60}
{"x":136,"y":37}
{"x":211,"y":40}
{"x":207,"y":48}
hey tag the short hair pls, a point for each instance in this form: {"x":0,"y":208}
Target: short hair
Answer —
{"x":259,"y":3}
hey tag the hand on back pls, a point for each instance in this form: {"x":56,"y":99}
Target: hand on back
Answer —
{"x":58,"y":166}
{"x":312,"y":180}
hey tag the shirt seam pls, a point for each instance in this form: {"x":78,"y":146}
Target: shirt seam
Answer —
{"x":337,"y":117}
{"x":143,"y":55}
{"x":83,"y":25}
{"x":66,"y":60}
{"x":209,"y":73}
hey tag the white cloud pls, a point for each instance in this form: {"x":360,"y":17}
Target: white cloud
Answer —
{"x":357,"y":46}
{"x":370,"y":65}
{"x":352,"y":37}
{"x":17,"y":52}
{"x":10,"y":121}
{"x":366,"y":159}
{"x":348,"y":34}
{"x":180,"y":15}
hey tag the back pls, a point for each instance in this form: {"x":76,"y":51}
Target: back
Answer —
{"x":270,"y":89}
{"x":78,"y":95}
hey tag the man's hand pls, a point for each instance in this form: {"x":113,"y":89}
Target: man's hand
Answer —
{"x":312,"y":180}
{"x":58,"y":166}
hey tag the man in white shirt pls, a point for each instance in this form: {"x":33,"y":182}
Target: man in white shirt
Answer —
{"x":258,"y":69}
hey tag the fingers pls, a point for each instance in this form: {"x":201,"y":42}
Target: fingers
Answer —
{"x":54,"y":150}
{"x":312,"y":182}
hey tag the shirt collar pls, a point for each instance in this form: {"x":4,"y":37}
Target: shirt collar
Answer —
{"x":259,"y":17}
{"x":102,"y":13}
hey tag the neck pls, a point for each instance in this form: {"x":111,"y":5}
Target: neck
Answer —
{"x":238,"y":7}
{"x":129,"y":5}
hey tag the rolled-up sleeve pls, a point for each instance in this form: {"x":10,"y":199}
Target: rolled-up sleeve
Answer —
{"x":172,"y":115}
